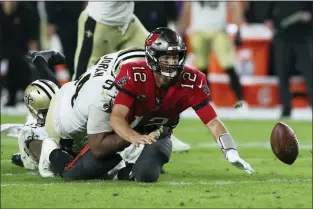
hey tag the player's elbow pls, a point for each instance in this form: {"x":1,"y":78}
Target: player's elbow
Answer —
{"x":112,"y":121}
{"x":115,"y":121}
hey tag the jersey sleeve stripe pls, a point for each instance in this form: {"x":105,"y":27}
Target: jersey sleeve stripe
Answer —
{"x":125,"y":91}
{"x":201,"y":105}
{"x":131,"y":50}
{"x":126,"y":58}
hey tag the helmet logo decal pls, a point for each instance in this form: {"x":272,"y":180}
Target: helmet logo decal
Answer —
{"x":151,"y":38}
{"x":28,"y":99}
{"x":174,"y":48}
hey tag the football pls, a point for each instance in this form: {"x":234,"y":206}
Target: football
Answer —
{"x":284,"y":143}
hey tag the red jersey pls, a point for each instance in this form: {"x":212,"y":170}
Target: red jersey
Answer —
{"x":150,"y":105}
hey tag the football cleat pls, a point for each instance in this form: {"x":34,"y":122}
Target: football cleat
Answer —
{"x":178,"y":145}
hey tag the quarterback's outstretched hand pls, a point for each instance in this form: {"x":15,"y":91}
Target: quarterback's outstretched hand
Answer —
{"x":233,"y":157}
{"x":52,"y":57}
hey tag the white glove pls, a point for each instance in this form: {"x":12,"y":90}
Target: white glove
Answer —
{"x":233,"y":157}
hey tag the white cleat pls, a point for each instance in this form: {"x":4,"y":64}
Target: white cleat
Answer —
{"x":44,"y":167}
{"x":178,"y":145}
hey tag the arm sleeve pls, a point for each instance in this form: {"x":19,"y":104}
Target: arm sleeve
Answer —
{"x":98,"y":121}
{"x":200,"y":101}
{"x":45,"y":72}
{"x":125,"y":86}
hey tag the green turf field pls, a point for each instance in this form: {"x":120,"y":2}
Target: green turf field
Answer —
{"x":200,"y":178}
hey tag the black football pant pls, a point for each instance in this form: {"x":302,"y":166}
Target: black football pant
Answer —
{"x":284,"y":52}
{"x":146,"y":169}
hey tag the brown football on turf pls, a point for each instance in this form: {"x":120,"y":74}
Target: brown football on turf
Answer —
{"x":284,"y":143}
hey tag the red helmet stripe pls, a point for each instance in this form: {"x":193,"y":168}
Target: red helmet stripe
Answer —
{"x":152,"y":37}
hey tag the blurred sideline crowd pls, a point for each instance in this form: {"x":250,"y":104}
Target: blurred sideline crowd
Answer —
{"x":27,"y":26}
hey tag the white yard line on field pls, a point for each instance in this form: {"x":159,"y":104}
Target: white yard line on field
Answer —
{"x":247,"y":144}
{"x":20,"y":174}
{"x":169,"y":183}
{"x":236,"y":182}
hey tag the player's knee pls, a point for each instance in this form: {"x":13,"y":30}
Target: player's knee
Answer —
{"x":164,"y":149}
{"x":147,"y":172}
{"x":148,"y":166}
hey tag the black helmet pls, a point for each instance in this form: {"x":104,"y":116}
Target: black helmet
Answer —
{"x":164,"y":41}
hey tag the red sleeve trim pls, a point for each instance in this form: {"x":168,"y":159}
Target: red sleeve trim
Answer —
{"x":206,"y":113}
{"x":125,"y":91}
{"x":201,"y":105}
{"x":124,"y":99}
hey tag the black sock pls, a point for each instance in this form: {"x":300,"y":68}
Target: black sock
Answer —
{"x":234,"y":82}
{"x":59,"y":160}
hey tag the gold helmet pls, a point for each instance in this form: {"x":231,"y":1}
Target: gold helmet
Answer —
{"x":37,"y":97}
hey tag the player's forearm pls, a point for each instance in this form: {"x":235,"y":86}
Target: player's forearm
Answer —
{"x":111,"y":144}
{"x":45,"y":72}
{"x":104,"y":144}
{"x":122,"y":128}
{"x":217,"y":128}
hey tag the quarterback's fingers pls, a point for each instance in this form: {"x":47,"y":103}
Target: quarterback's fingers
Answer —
{"x":246,"y":167}
{"x":152,"y":137}
{"x":148,"y":139}
{"x":145,"y":141}
{"x":250,"y":171}
{"x":238,"y":165}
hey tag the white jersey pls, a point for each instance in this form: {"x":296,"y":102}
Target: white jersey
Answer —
{"x":114,"y":13}
{"x":30,"y":131}
{"x":83,"y":107}
{"x":26,"y":133}
{"x":208,"y":15}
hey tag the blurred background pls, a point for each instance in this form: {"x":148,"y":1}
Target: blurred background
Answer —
{"x":265,"y":62}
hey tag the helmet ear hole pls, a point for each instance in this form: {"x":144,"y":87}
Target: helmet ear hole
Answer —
{"x":38,"y":92}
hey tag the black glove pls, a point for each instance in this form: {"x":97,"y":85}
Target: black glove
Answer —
{"x":52,"y":57}
{"x":238,"y":40}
